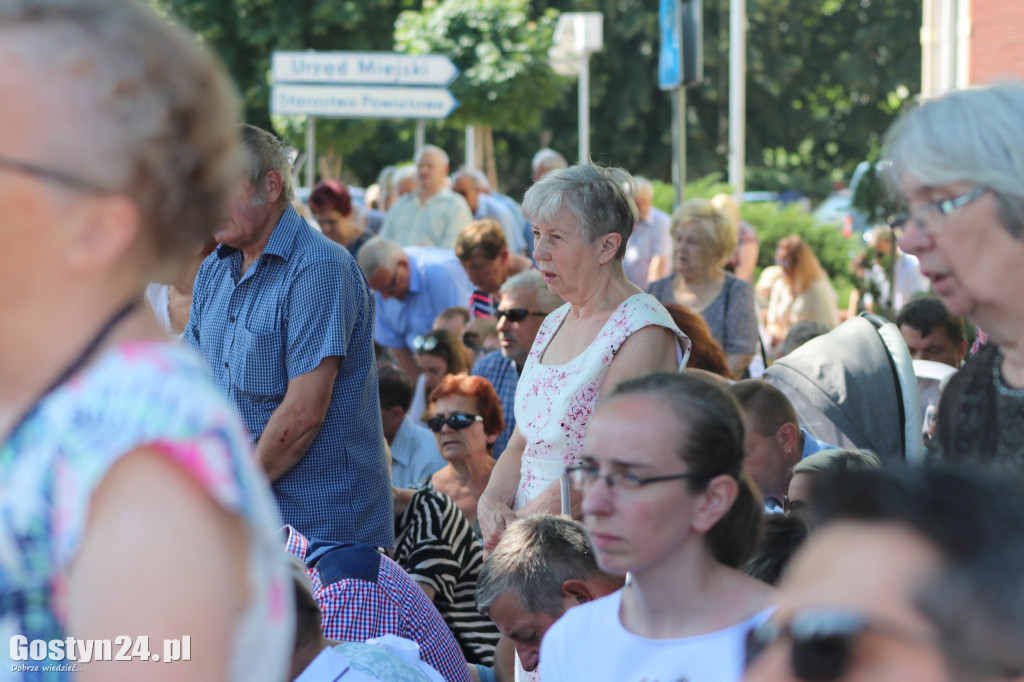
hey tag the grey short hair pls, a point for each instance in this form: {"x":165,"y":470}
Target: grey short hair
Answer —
{"x":717,"y":225}
{"x":149,"y":114}
{"x":265,"y":153}
{"x":546,"y":299}
{"x":534,"y":558}
{"x":432,"y":148}
{"x":481,"y":179}
{"x":458,"y":175}
{"x":548,"y":160}
{"x":384,"y":185}
{"x":402,"y":173}
{"x":379,"y":252}
{"x":599,"y":199}
{"x":835,"y":460}
{"x":642,"y":185}
{"x":971,"y":135}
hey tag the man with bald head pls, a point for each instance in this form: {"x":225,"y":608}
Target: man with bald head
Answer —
{"x":433,"y":215}
{"x":483,"y":205}
{"x":649,"y":249}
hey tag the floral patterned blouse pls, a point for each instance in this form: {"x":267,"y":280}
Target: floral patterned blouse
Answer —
{"x":149,"y":394}
{"x":554,"y":403}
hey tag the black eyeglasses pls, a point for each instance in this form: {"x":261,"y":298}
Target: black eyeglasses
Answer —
{"x":53,"y":175}
{"x":586,"y":475}
{"x":823,"y":643}
{"x":516,"y":314}
{"x":456,"y":421}
{"x":425,"y":343}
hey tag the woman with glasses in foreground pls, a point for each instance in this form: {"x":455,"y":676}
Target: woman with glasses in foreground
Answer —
{"x":466,"y":418}
{"x":958,"y":162}
{"x":666,"y":501}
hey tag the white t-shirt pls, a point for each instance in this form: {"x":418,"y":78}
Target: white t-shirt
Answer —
{"x":589,"y":643}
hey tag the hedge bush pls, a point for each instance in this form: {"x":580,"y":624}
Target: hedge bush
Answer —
{"x":773,"y":222}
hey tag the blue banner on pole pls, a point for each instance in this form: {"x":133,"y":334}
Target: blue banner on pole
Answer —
{"x":670,"y":57}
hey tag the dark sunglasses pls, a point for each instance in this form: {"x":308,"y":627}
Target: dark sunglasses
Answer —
{"x":456,"y":422}
{"x":823,"y":643}
{"x":516,"y":314}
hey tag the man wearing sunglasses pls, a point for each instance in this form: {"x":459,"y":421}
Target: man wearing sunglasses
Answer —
{"x":915,"y":574}
{"x":525,"y":302}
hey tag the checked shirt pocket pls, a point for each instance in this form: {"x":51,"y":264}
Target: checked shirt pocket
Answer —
{"x":261,"y":364}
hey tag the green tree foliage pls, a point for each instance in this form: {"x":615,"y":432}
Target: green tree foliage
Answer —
{"x":824,"y":80}
{"x":500,"y":50}
{"x":246,"y":32}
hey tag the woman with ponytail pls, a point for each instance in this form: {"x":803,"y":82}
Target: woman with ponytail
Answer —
{"x":665,"y":500}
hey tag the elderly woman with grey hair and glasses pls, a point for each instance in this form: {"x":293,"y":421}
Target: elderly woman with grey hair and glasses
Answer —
{"x":608,"y":331}
{"x":958,"y":162}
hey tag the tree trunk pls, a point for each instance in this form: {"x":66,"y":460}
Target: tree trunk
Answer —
{"x":490,"y":163}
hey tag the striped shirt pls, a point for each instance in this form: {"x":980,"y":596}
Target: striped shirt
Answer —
{"x":436,"y":545}
{"x":482,"y":304}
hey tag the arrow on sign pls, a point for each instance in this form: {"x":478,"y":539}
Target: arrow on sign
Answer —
{"x":338,"y":101}
{"x":380,"y":68}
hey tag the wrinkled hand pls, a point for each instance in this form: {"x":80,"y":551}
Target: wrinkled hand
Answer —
{"x":494,"y":516}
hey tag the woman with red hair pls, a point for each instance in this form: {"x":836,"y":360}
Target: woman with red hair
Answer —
{"x":705,"y":353}
{"x":802,"y":293}
{"x":331,"y":204}
{"x":466,"y":418}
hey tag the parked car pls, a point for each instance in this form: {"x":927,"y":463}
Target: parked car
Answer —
{"x":838,"y":210}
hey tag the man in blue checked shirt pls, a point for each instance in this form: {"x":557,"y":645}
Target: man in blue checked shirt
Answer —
{"x":284,"y":319}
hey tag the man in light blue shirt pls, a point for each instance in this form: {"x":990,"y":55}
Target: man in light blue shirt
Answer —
{"x":649,"y":249}
{"x":412,"y":286}
{"x":485,"y":206}
{"x":414,"y":454}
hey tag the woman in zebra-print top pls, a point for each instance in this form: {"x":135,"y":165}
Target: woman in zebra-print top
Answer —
{"x":436,"y":545}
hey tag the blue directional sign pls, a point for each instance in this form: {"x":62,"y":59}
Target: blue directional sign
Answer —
{"x":340,"y":101}
{"x":670,"y":56}
{"x":370,"y":68}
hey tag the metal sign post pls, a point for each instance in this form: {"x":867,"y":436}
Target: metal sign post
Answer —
{"x":577,"y":36}
{"x":680,"y":65}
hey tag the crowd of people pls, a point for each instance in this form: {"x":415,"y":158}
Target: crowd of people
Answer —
{"x":451,"y":436}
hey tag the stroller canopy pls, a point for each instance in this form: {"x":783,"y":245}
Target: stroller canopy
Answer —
{"x":855,"y":387}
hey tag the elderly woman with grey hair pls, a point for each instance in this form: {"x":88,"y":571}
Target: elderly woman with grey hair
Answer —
{"x":703,"y":237}
{"x":958,"y":162}
{"x":609,"y":330}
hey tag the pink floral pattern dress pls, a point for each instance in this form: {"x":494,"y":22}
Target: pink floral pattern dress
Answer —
{"x":139,"y":394}
{"x":554,"y":403}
